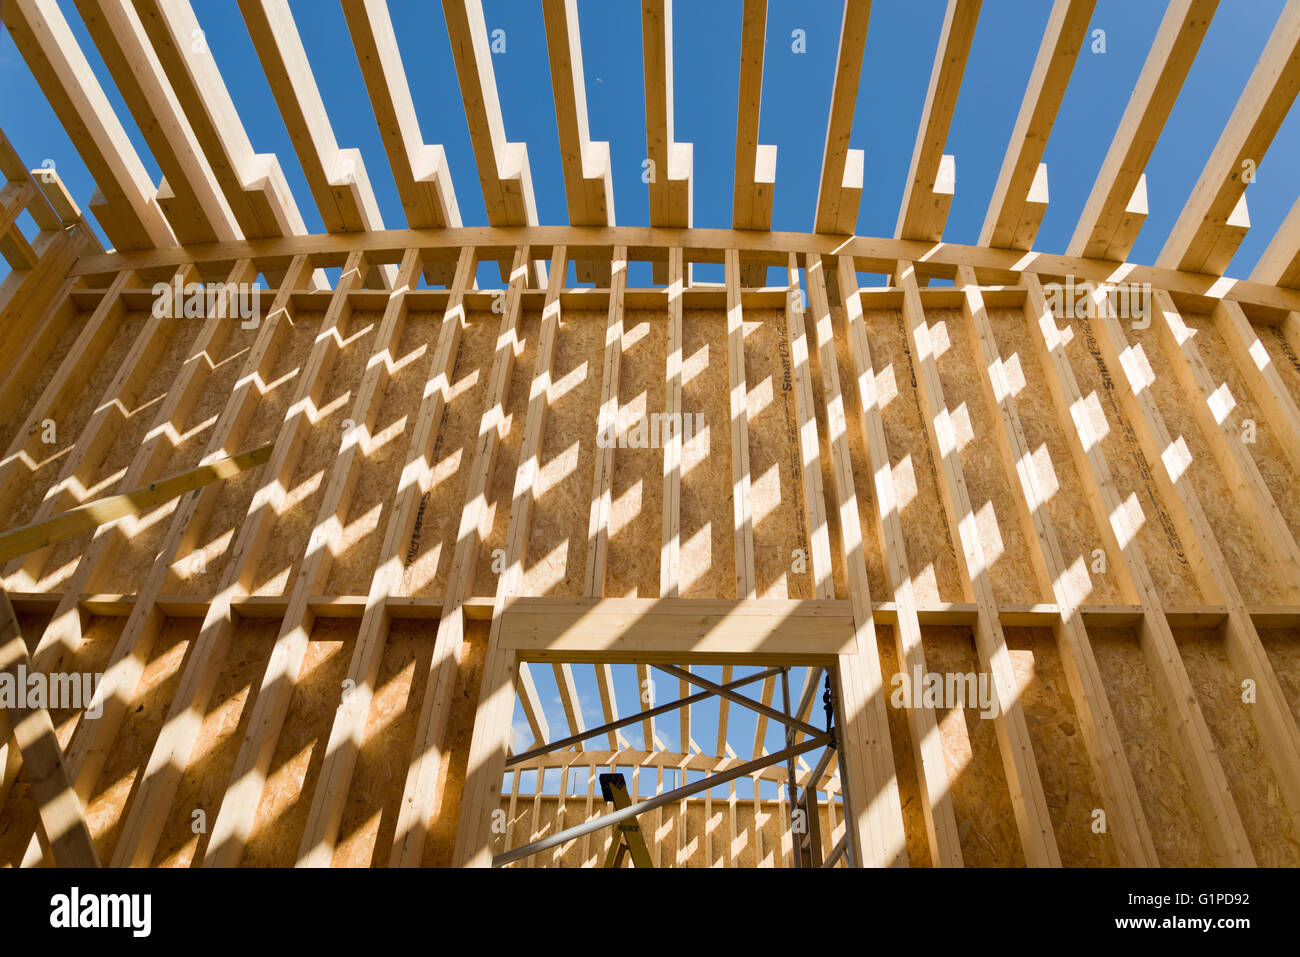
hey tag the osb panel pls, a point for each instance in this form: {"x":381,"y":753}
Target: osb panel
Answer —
{"x":207,"y":773}
{"x":929,"y":539}
{"x":82,"y":400}
{"x":1266,"y":450}
{"x":1165,"y":553}
{"x":636,"y":504}
{"x":864,"y":486}
{"x":374,"y":799}
{"x":19,"y":817}
{"x":708,"y":540}
{"x":505,"y":463}
{"x":986,"y":823}
{"x":199,"y":568}
{"x":298,"y":515}
{"x":1283,"y":648}
{"x":300,"y":750}
{"x":776,"y":474}
{"x":164,"y":361}
{"x":904,"y":747}
{"x":134,"y":741}
{"x":381,"y":469}
{"x":1251,"y":777}
{"x":441,"y":843}
{"x":127,"y":572}
{"x":1069,"y":783}
{"x":556,"y":556}
{"x":434,"y":538}
{"x":1284,"y":357}
{"x":1067,"y":501}
{"x":45,"y":370}
{"x":1246,"y":551}
{"x":1167,"y":802}
{"x":975,"y":426}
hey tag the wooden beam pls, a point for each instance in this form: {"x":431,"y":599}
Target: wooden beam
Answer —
{"x":931,"y":180}
{"x":502,"y":167}
{"x":742,"y":514}
{"x":348,"y":729}
{"x":1261,"y":375}
{"x":1245,"y":652}
{"x":46,"y":42}
{"x":1205,"y":238}
{"x":337,"y":177}
{"x":1280,"y":263}
{"x":862,"y":722}
{"x":870,"y":254}
{"x":420,"y":170}
{"x":61,"y":819}
{"x":1037,"y":838}
{"x":927,"y":746}
{"x":1015,"y":211}
{"x":670,"y":179}
{"x":154,"y":790}
{"x":754,"y":182}
{"x":1110,"y":220}
{"x":1119,"y":526}
{"x":234,"y":821}
{"x":1069,"y":585}
{"x":197,"y":209}
{"x":253,"y":183}
{"x":420,"y":791}
{"x":840,"y":185}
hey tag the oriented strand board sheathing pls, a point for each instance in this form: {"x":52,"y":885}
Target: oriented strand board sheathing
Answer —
{"x":1176,"y":830}
{"x":992,"y":495}
{"x":436,"y":524}
{"x":381,"y":469}
{"x":286,"y":796}
{"x":173,"y":347}
{"x":1068,"y":780}
{"x":18,"y":820}
{"x":1245,"y":549}
{"x":126,"y":574}
{"x":1067,"y":502}
{"x":1165,"y":552}
{"x":981,"y":800}
{"x":455,"y":748}
{"x":82,"y":401}
{"x":1283,"y":648}
{"x":135,"y":739}
{"x":501,"y":483}
{"x":198,"y":571}
{"x":287,"y":544}
{"x":708,"y":541}
{"x":1255,"y":790}
{"x":370,"y":816}
{"x":636,"y":503}
{"x":863,"y":481}
{"x":44,"y":372}
{"x":900,"y":737}
{"x":555,"y":559}
{"x":776,"y":477}
{"x":1285,"y":357}
{"x":207,"y":774}
{"x":929,"y":539}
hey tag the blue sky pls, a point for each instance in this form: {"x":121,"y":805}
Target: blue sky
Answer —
{"x":796,"y":93}
{"x":900,"y":50}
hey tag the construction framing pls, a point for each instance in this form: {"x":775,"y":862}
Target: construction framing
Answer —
{"x":317,"y":554}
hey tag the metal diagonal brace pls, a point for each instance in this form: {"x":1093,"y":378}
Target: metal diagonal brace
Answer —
{"x":633,"y":719}
{"x":740,"y":699}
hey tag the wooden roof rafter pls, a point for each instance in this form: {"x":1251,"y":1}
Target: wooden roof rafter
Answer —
{"x":840,"y":189}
